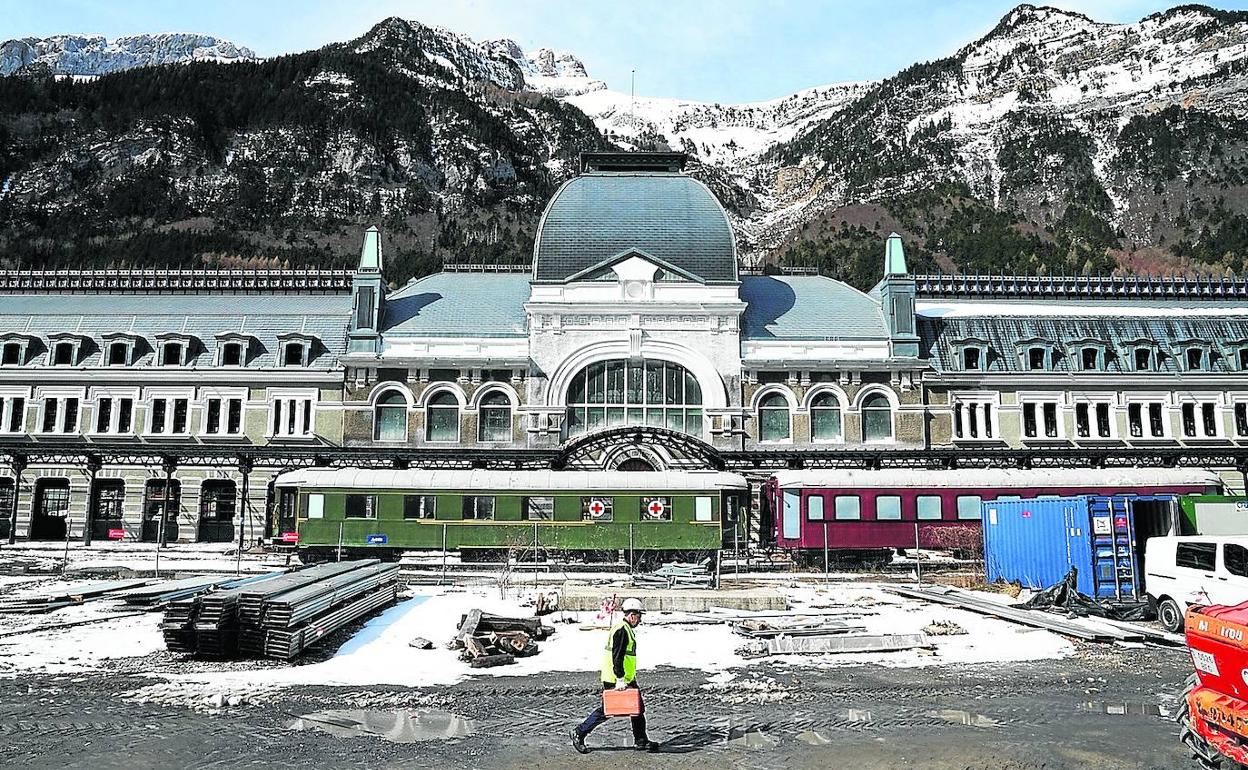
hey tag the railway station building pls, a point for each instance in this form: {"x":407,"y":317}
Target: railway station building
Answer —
{"x":633,"y":340}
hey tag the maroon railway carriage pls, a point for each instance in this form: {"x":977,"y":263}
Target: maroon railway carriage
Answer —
{"x":875,"y":509}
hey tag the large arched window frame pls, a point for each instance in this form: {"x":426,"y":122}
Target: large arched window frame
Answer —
{"x":877,"y":419}
{"x":494,"y":417}
{"x":442,"y":418}
{"x":390,"y":417}
{"x":775,"y":421}
{"x":629,"y":392}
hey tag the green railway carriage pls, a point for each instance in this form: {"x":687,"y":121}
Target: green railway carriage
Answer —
{"x":384,"y":512}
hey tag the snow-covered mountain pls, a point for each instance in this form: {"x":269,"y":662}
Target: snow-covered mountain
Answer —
{"x":1053,"y":142}
{"x":89,"y":55}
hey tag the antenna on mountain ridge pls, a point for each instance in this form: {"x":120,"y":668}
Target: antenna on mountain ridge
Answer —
{"x":632,"y":93}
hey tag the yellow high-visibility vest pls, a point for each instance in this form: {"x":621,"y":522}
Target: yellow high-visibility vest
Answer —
{"x":630,"y":655}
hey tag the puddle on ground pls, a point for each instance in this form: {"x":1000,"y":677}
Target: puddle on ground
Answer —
{"x":814,"y":737}
{"x":1123,"y":708}
{"x":396,"y":726}
{"x":755,"y":739}
{"x":960,"y":717}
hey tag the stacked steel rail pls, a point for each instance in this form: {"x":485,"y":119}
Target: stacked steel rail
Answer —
{"x":279,"y":616}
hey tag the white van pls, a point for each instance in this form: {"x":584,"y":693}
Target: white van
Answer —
{"x":1194,"y":569}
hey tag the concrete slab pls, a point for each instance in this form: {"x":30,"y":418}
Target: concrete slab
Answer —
{"x":589,"y":598}
{"x":816,"y":645}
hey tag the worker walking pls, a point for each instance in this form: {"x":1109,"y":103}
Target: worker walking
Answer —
{"x":619,"y":672}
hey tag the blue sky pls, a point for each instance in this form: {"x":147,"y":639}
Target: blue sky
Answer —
{"x":728,"y":51}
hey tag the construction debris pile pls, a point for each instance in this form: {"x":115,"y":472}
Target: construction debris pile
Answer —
{"x":493,"y":640}
{"x":802,"y":635}
{"x":1085,"y":628}
{"x":279,"y":616}
{"x":677,"y":575}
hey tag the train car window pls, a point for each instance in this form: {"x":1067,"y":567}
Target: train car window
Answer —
{"x":597,"y":508}
{"x":968,"y":507}
{"x":316,"y":506}
{"x":929,"y":507}
{"x":361,"y":507}
{"x":1196,"y":555}
{"x":539,"y":508}
{"x":656,"y":509}
{"x":814,"y":508}
{"x":419,"y":506}
{"x":1235,"y":559}
{"x":478,"y":507}
{"x":888,"y":508}
{"x":702,"y":509}
{"x":848,"y":507}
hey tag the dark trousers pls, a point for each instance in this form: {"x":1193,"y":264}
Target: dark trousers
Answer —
{"x":599,"y":716}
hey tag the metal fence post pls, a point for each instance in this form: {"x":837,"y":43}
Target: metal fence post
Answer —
{"x":340,"y":541}
{"x":825,"y":550}
{"x":631,"y":555}
{"x":918,"y":557}
{"x":443,"y":578}
{"x":244,"y":518}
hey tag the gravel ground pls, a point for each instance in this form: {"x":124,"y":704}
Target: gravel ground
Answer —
{"x":1050,"y":715}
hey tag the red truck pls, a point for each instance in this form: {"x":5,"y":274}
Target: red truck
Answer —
{"x":1213,"y":716}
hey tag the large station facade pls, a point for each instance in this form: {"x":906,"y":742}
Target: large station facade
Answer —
{"x":159,"y":405}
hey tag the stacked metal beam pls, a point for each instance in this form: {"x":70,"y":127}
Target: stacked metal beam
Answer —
{"x":282,"y":615}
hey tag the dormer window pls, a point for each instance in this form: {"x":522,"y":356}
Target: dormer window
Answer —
{"x":971,"y":359}
{"x":1090,"y":359}
{"x":1143,"y":359}
{"x":119,"y":353}
{"x":1242,"y":358}
{"x":232,"y":354}
{"x":63,"y":354}
{"x":12,"y":354}
{"x":171,"y":354}
{"x":972,"y":354}
{"x":1037,"y":359}
{"x":293,"y":354}
{"x":1196,"y":359}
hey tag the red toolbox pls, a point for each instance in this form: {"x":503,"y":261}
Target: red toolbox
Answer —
{"x":622,"y":703}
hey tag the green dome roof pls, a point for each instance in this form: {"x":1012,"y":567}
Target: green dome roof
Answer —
{"x":669,"y":216}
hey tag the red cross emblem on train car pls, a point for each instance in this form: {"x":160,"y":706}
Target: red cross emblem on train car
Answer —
{"x":656,"y":508}
{"x":596,"y":508}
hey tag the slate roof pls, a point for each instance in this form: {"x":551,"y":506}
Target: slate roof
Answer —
{"x":459,"y":305}
{"x":203,"y":316}
{"x":938,"y":338}
{"x":808,"y":307}
{"x":598,"y":216}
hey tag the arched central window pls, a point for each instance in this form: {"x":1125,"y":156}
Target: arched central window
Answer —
{"x":825,"y":418}
{"x":390,"y":417}
{"x":773,"y":418}
{"x":442,"y":418}
{"x":495,"y":418}
{"x":877,"y":419}
{"x":657,"y":393}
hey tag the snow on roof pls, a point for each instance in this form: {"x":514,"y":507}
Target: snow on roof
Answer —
{"x":996,"y":477}
{"x":371,"y":478}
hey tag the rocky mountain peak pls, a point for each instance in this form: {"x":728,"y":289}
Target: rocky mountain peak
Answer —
{"x":92,"y":55}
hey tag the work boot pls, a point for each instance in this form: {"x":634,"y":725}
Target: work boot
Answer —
{"x":646,"y":745}
{"x":578,"y":742}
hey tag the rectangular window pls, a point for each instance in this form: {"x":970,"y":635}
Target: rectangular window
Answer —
{"x":1154,"y":420}
{"x":1082,"y":427}
{"x":539,"y":508}
{"x":1209,"y":420}
{"x":316,"y":506}
{"x":103,"y":415}
{"x":12,"y":415}
{"x":13,"y":354}
{"x":1143,"y":360}
{"x":888,"y":508}
{"x":929,"y":507}
{"x":1195,"y":359}
{"x":703,"y":510}
{"x":597,"y":508}
{"x":70,"y":423}
{"x":772,"y":378}
{"x":443,"y":375}
{"x":212,"y":418}
{"x":848,"y":507}
{"x":63,"y":354}
{"x":478,"y":507}
{"x":109,"y":502}
{"x":970,"y":359}
{"x":118,"y":354}
{"x":1030,"y":429}
{"x":1241,"y":419}
{"x":181,"y":408}
{"x":234,"y":416}
{"x":1036,"y":359}
{"x":1090,"y":359}
{"x":656,"y":509}
{"x":159,"y":409}
{"x":1235,"y":559}
{"x":419,"y":506}
{"x":50,"y":408}
{"x":968,"y":507}
{"x":1135,"y":420}
{"x":364,"y":310}
{"x":1050,"y":420}
{"x":292,"y":354}
{"x":814,"y":508}
{"x":232,"y":354}
{"x":291,"y":417}
{"x":125,"y":413}
{"x":1200,"y":556}
{"x":171,"y":354}
{"x":361,"y":507}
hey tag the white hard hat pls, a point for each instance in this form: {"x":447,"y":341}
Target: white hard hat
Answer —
{"x":632,"y":605}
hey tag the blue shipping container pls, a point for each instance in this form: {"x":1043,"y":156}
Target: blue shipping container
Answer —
{"x":1036,"y":542}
